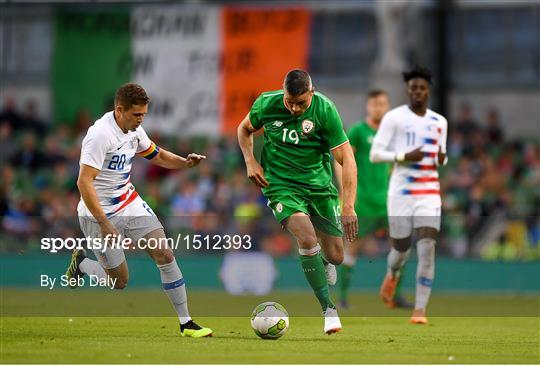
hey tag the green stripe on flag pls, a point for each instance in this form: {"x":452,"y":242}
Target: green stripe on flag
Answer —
{"x":92,"y":57}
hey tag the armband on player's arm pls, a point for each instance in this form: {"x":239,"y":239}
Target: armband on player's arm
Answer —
{"x":151,"y":152}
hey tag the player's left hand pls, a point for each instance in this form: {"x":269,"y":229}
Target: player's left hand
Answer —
{"x":350,"y":223}
{"x":194,"y":160}
{"x":441,"y":156}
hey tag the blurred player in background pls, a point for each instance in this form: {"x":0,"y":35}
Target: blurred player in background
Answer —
{"x":414,"y":138}
{"x":370,"y":205}
{"x":110,"y":205}
{"x":301,"y":128}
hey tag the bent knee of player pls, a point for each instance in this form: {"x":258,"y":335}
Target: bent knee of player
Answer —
{"x":307,"y":241}
{"x":162,"y":256}
{"x":427,"y":232}
{"x":401,"y":245}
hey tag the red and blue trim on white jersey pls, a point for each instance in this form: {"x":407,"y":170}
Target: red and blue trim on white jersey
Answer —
{"x":423,"y":166}
{"x":413,"y":192}
{"x":422,"y":179}
{"x":125,"y":199}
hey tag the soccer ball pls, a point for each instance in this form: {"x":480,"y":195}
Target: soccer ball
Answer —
{"x":270,"y":320}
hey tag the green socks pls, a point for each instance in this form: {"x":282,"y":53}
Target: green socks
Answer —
{"x":313,"y":268}
{"x":344,"y":281}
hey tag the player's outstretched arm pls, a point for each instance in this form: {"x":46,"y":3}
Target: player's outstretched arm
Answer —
{"x":345,"y":157}
{"x":85,"y":183}
{"x":255,"y":171}
{"x":169,"y":160}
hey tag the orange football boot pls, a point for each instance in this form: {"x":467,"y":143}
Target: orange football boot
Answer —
{"x":388,"y":289}
{"x":418,"y":317}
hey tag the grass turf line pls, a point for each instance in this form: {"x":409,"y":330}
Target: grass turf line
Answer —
{"x":369,"y":340}
{"x":371,"y":334}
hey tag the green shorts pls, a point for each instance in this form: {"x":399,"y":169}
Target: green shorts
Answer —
{"x":371,"y":217}
{"x":321,"y":205}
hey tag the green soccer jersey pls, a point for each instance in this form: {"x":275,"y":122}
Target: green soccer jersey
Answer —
{"x":297,"y":148}
{"x":373,"y":179}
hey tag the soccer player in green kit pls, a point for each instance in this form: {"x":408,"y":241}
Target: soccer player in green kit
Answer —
{"x":301,"y":128}
{"x":371,"y":193}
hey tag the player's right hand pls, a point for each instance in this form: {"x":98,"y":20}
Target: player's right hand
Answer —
{"x":350,"y":223}
{"x":107,"y":228}
{"x":255,"y":173}
{"x":414,"y":156}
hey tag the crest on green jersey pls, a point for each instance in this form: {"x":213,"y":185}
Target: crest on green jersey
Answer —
{"x":307,"y":126}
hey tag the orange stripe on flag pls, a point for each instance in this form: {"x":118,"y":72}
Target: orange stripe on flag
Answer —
{"x":259,"y":46}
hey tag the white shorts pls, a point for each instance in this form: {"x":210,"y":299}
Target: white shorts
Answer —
{"x":406,"y":213}
{"x":134,"y":222}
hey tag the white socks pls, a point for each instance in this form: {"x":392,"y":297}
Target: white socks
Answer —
{"x":425,"y":271}
{"x":395,"y":261}
{"x":92,"y":267}
{"x":173,"y":284}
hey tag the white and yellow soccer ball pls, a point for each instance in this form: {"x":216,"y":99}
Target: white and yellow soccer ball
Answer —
{"x":270,"y":320}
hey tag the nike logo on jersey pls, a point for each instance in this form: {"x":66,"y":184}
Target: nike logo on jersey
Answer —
{"x":119,"y":147}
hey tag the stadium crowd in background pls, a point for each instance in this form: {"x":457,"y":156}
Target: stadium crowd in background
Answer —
{"x":490,"y":179}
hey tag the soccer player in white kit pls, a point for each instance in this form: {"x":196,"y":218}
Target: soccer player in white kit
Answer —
{"x":414,"y":138}
{"x":110,"y":205}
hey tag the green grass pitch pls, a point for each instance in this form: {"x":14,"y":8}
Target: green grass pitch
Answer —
{"x":371,"y":333}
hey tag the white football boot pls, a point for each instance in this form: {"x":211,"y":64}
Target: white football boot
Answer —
{"x":331,"y":273}
{"x":332,"y":324}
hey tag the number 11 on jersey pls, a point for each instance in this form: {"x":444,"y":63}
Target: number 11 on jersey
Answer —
{"x":411,"y":137}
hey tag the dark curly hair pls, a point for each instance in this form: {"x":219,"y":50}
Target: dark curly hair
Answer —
{"x":418,"y":72}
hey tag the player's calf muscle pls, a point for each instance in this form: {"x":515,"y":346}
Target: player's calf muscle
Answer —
{"x":120,"y":274}
{"x":334,"y":256}
{"x":161,"y":256}
{"x":332,"y":247}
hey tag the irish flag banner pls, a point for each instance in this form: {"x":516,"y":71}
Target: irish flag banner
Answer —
{"x":201,"y":65}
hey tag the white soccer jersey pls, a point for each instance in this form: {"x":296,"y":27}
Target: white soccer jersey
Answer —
{"x":402,"y":131}
{"x":107,"y":148}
